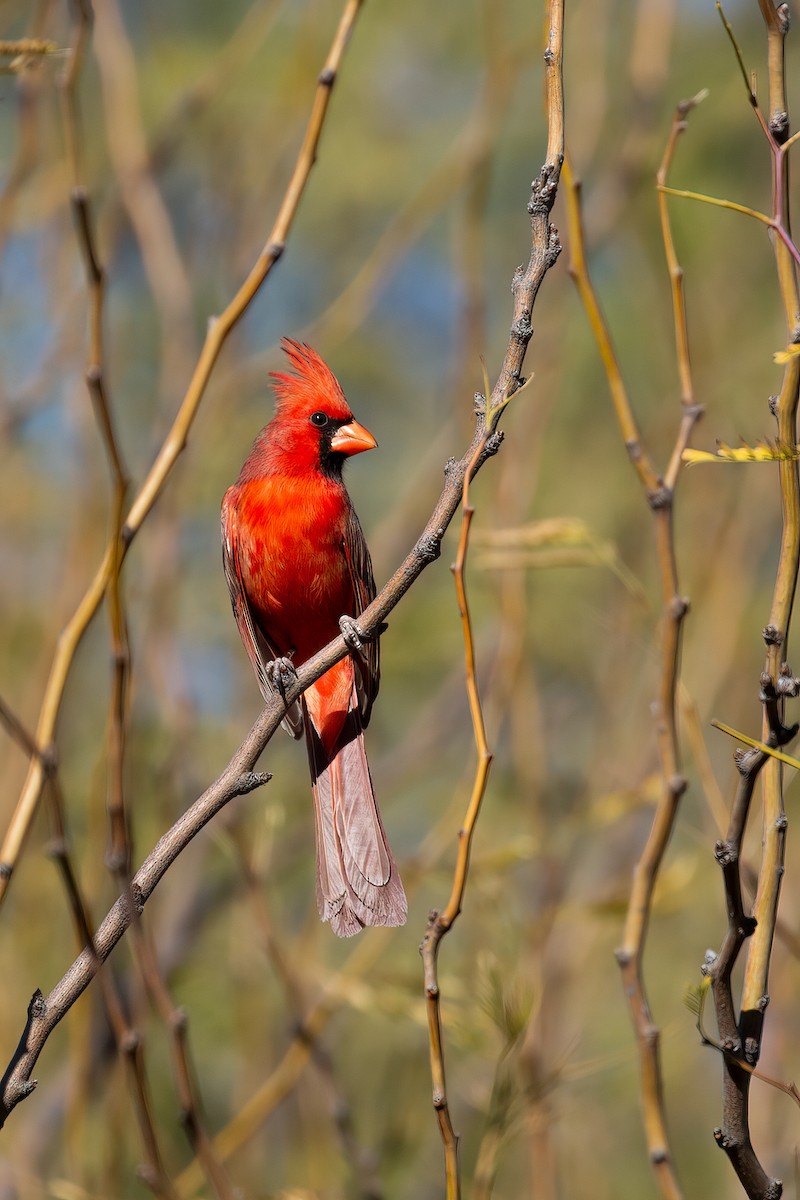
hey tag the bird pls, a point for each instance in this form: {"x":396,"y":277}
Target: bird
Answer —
{"x":299,"y":573}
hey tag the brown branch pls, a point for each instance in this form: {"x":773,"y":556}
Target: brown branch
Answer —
{"x":744,"y":1036}
{"x":659,"y":493}
{"x":545,"y":249}
{"x":175,"y":442}
{"x":740,"y":1050}
{"x":777,"y":23}
{"x":691,"y":410}
{"x":777,"y":630}
{"x":128,"y":1040}
{"x":579,"y":270}
{"x":440,"y":923}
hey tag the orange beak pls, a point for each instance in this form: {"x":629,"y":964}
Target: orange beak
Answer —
{"x":352,"y":439}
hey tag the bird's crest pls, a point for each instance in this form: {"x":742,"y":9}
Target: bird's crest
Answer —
{"x":312,"y":383}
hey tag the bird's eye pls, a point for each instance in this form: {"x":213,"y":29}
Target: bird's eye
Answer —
{"x":320,"y":419}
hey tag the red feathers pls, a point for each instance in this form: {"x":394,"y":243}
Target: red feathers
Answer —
{"x":312,"y":381}
{"x":296,"y":561}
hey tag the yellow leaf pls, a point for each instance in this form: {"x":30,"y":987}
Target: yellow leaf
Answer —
{"x":761,"y":452}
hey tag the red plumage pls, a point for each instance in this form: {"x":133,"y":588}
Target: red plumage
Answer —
{"x":296,"y":561}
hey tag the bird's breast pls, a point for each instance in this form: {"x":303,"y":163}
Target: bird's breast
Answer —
{"x":294,"y":571}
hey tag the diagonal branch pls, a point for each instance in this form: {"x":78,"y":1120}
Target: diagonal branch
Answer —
{"x":237,"y":779}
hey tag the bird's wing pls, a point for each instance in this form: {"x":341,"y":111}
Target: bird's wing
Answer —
{"x":260,"y":649}
{"x":359,"y":565}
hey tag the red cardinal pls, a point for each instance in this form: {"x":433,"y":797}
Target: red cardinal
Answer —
{"x":296,"y":562}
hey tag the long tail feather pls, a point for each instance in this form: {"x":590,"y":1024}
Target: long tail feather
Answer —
{"x":358,"y":882}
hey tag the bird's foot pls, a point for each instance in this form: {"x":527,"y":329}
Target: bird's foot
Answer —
{"x":352,"y":635}
{"x":355,"y":636}
{"x":281,"y":674}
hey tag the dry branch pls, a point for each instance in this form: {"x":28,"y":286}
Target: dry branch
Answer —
{"x":545,"y":248}
{"x":659,"y":493}
{"x":741,"y":1037}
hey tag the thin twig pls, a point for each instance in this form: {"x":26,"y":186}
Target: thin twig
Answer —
{"x":659,"y":493}
{"x":734,"y":1135}
{"x":745,"y":1033}
{"x":772,"y":223}
{"x":544,"y":252}
{"x":440,"y":923}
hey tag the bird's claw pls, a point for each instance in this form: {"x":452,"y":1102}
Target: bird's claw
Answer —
{"x":352,"y":635}
{"x":281,"y":675}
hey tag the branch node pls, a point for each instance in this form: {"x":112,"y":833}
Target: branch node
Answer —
{"x":179,"y":1020}
{"x":543,"y":190}
{"x":451,"y":462}
{"x":709,"y":961}
{"x":521,"y":329}
{"x":787,"y":684}
{"x":493,"y":444}
{"x":772,"y":635}
{"x":678,"y":607}
{"x":725,"y":853}
{"x":553,"y":247}
{"x":779,"y":126}
{"x":751,"y":1050}
{"x":130,"y":1042}
{"x":248,"y":781}
{"x":327,"y":78}
{"x":20,"y":1091}
{"x":659,"y":498}
{"x":745,"y":760}
{"x":677,"y":784}
{"x":49,"y":758}
{"x":428,"y":547}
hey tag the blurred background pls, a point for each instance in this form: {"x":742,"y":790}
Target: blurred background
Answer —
{"x":398,"y":271}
